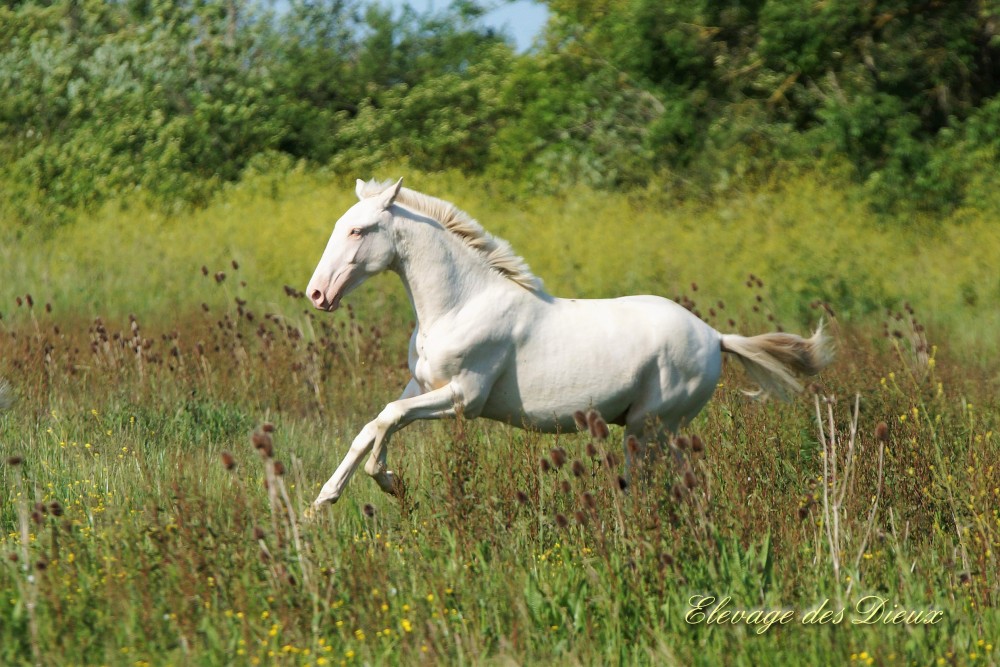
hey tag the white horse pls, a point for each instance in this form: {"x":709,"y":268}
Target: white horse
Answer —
{"x":490,"y":342}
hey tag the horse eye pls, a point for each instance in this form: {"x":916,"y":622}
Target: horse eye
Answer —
{"x":357,"y":231}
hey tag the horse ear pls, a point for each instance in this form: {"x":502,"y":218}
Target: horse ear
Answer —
{"x":388,"y":196}
{"x":359,"y":189}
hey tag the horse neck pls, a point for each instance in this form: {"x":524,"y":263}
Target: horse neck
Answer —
{"x":439,"y":273}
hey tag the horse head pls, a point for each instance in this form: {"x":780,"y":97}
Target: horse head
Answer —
{"x":360,"y":246}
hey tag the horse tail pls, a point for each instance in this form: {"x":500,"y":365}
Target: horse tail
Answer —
{"x":774,"y":359}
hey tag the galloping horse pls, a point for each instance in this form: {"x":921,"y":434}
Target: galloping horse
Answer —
{"x":490,"y":342}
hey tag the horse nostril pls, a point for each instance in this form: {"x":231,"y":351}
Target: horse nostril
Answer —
{"x":316,"y":296}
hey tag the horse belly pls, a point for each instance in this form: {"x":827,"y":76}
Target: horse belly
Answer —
{"x":543,"y":391}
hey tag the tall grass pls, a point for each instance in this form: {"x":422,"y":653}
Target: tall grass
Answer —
{"x":150,"y":517}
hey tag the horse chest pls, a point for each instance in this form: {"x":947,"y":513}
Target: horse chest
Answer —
{"x":437,"y":363}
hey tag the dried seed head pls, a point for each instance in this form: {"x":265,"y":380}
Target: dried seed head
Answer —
{"x":611,"y":460}
{"x":521,"y":496}
{"x":561,"y":520}
{"x":580,"y":517}
{"x":690,"y":481}
{"x":696,"y":444}
{"x":578,"y":468}
{"x":581,"y":420}
{"x":588,"y":500}
{"x":267,"y":427}
{"x":29,"y":300}
{"x":228,"y":462}
{"x":682,"y":442}
{"x":803,"y":512}
{"x":236,"y":265}
{"x":37,"y":517}
{"x":622,"y":483}
{"x":42,"y":564}
{"x":263,"y":443}
{"x":666,"y":560}
{"x":279,"y":468}
{"x":544,"y":465}
{"x":632,"y":445}
{"x":258,"y":533}
{"x":882,"y":432}
{"x":56,"y":508}
{"x":592,"y":450}
{"x":677,"y":492}
{"x":220,"y":276}
{"x":565,"y":487}
{"x":558,"y":455}
{"x":15,"y":460}
{"x":369,"y":510}
{"x":41,"y":508}
{"x":204,"y":270}
{"x":598,"y":427}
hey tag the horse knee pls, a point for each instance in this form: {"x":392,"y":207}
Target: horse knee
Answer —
{"x":389,"y":418}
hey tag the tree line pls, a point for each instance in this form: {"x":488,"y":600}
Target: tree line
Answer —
{"x":102,"y":100}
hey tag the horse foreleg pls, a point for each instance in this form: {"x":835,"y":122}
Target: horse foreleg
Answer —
{"x":437,"y":404}
{"x":376,"y":465}
{"x":362,"y":444}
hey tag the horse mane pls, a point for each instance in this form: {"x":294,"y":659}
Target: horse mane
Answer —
{"x":496,"y":252}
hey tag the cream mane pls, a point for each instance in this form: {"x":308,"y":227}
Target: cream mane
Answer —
{"x":496,"y":252}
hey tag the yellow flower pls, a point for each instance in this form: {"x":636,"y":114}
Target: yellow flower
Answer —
{"x":407,"y":626}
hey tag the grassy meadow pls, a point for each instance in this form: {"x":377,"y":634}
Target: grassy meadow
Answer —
{"x":173,"y":404}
